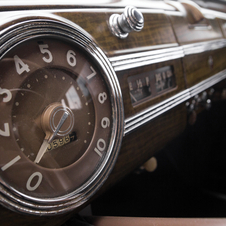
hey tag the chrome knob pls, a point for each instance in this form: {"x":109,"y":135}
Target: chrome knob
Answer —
{"x":130,"y":20}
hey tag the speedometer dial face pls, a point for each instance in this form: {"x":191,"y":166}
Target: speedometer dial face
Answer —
{"x":56,"y":118}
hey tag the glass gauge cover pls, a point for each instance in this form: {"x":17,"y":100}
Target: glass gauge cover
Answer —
{"x":58,"y":111}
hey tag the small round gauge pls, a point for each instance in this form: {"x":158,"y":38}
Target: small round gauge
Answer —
{"x":60,"y":125}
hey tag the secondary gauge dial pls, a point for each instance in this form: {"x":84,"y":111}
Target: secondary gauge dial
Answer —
{"x":56,"y":118}
{"x":150,"y":84}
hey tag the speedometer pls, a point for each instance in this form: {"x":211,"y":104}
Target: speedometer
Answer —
{"x":61,"y":117}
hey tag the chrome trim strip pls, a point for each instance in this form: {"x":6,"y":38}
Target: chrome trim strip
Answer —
{"x":201,"y":47}
{"x":150,"y":6}
{"x":134,"y":60}
{"x":154,"y":111}
{"x":196,"y":89}
{"x":144,"y":48}
{"x":18,"y":31}
{"x":174,"y":13}
{"x":114,"y":60}
{"x":166,"y":105}
{"x":213,"y":13}
{"x":129,"y":61}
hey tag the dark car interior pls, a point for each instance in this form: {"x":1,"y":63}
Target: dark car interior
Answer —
{"x":113,"y":113}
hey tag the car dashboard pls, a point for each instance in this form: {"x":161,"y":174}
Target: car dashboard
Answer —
{"x":98,"y":98}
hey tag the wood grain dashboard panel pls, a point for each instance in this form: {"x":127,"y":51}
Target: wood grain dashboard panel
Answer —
{"x":160,"y":29}
{"x":203,"y":65}
{"x":187,"y":35}
{"x":157,"y":31}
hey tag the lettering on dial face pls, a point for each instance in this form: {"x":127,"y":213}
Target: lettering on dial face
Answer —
{"x":56,"y":118}
{"x":150,"y":84}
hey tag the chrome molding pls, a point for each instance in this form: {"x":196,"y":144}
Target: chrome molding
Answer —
{"x":174,"y":13}
{"x":198,"y":88}
{"x":201,"y":47}
{"x":21,"y":30}
{"x":166,"y":105}
{"x":148,"y":6}
{"x":144,"y":48}
{"x":213,"y":13}
{"x":134,"y":60}
{"x":154,"y":111}
{"x":129,"y":61}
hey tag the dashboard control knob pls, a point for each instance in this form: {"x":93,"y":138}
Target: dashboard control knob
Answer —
{"x":211,"y":92}
{"x":190,"y":106}
{"x":151,"y":164}
{"x":130,"y":20}
{"x":207,"y":104}
{"x":204,"y":96}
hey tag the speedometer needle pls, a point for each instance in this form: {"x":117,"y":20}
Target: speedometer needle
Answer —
{"x":48,"y":140}
{"x":41,"y":151}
